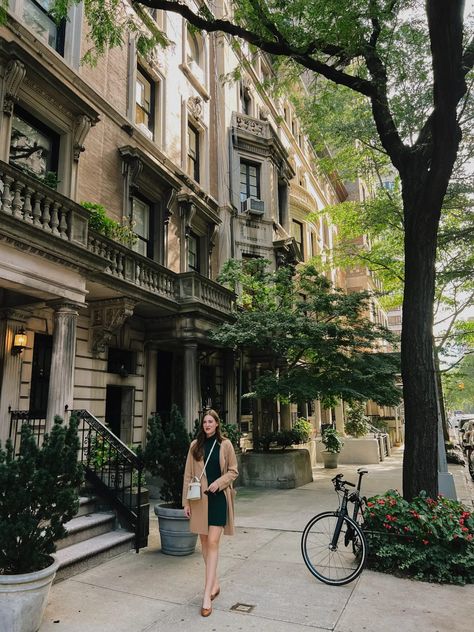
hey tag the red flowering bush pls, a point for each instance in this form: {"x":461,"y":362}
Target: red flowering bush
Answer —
{"x":431,"y":539}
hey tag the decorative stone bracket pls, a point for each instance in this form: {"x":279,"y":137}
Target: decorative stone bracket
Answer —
{"x":14,"y":75}
{"x":82,"y":125}
{"x":107,"y":318}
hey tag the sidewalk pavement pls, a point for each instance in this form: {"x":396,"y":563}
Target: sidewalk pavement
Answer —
{"x":260,"y":567}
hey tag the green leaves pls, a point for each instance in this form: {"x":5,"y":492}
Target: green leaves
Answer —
{"x":430,"y":539}
{"x":38,"y":494}
{"x":317,"y":340}
{"x":165,"y":453}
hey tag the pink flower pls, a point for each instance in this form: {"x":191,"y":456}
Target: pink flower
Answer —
{"x":425,"y":541}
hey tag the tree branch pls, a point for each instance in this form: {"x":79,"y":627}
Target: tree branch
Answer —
{"x":281,"y":47}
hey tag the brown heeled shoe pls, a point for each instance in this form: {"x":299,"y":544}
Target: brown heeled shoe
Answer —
{"x":205,"y":612}
{"x":215,"y":594}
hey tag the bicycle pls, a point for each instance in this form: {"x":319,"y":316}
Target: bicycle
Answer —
{"x":333,"y":544}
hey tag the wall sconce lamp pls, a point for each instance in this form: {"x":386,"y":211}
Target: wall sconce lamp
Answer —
{"x":19,"y":342}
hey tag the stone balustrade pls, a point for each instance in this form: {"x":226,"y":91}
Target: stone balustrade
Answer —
{"x":194,"y":287}
{"x":33,"y":203}
{"x":30,"y":202}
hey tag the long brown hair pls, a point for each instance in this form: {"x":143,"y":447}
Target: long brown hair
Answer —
{"x":198,"y":449}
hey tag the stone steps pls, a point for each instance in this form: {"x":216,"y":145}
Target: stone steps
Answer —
{"x":92,"y":538}
{"x":79,"y":557}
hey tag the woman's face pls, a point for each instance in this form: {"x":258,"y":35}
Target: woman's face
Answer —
{"x":209,"y":425}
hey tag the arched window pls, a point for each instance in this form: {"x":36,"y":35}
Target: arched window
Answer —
{"x":195,"y":48}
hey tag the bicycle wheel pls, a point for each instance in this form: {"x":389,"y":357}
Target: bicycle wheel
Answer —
{"x":337,"y":564}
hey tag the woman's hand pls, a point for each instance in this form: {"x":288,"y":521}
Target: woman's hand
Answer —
{"x":187,"y":511}
{"x":213,"y":488}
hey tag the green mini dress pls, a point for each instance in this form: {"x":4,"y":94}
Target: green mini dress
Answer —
{"x":216,"y":503}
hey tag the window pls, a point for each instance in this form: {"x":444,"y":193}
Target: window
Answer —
{"x":193,"y":152}
{"x":249,"y":180}
{"x":144,"y":101}
{"x":33,"y":146}
{"x":297,"y":234}
{"x":141,"y":223}
{"x":37,"y":17}
{"x":194,"y":252}
{"x":195,"y":49}
{"x":121,"y":361}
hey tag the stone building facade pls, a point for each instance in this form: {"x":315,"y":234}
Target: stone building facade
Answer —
{"x":199,"y":169}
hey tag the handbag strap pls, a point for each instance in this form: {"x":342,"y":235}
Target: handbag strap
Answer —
{"x":207,"y":460}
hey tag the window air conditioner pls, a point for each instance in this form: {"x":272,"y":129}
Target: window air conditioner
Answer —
{"x":254,"y":206}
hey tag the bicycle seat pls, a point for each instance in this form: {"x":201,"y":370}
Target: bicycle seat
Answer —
{"x":362,"y":471}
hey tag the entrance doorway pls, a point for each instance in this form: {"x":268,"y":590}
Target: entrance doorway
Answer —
{"x":119,"y":411}
{"x":40,"y":372}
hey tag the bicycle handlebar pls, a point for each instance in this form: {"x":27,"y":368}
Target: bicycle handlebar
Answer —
{"x":339,"y":483}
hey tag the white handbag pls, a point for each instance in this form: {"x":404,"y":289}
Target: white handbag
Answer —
{"x":194,"y":487}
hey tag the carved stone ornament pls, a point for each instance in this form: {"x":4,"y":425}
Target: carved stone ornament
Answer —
{"x":132,"y":167}
{"x":264,"y":113}
{"x":107,"y":318}
{"x":250,"y":125}
{"x":14,"y":75}
{"x":82,"y":125}
{"x":195,"y":107}
{"x":187,"y":212}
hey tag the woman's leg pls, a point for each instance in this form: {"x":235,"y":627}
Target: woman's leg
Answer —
{"x":212,"y":556}
{"x":203,"y":539}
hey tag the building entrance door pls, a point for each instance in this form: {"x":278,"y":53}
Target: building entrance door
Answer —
{"x":40,"y":371}
{"x":119,"y":411}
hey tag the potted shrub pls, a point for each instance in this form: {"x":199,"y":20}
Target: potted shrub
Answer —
{"x":333,"y":443}
{"x":165,"y":456}
{"x":357,"y":422}
{"x":39,"y":493}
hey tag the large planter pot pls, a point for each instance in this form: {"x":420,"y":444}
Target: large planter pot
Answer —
{"x":23,"y":599}
{"x":330,"y":459}
{"x":276,"y":469}
{"x":176,"y":538}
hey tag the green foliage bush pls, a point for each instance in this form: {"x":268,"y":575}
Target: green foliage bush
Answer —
{"x":100,"y":222}
{"x":332,"y":440}
{"x":165,"y":454}
{"x":282,"y":439}
{"x":427,"y":539}
{"x":39,"y":493}
{"x":357,"y":423}
{"x":303,"y":429}
{"x":232,"y":432}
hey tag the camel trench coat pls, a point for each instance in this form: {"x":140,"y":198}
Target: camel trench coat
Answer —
{"x":229,"y":472}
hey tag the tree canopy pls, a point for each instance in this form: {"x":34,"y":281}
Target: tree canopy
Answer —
{"x":317,"y":341}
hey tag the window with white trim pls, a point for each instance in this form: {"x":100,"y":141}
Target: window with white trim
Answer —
{"x":249,"y":180}
{"x":34,"y":147}
{"x":141,"y":225}
{"x":144,"y":102}
{"x":194,"y":152}
{"x":36,"y":16}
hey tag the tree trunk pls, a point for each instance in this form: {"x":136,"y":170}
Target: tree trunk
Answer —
{"x":419,"y":393}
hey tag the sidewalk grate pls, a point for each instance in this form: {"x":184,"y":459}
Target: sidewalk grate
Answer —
{"x":242,"y":607}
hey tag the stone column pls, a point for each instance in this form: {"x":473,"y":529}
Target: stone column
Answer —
{"x":230,"y":395}
{"x":285,"y":416}
{"x":339,"y":410}
{"x":317,"y":415}
{"x":190,"y":385}
{"x":151,"y":367}
{"x":61,"y":382}
{"x":11,"y":320}
{"x":284,"y":205}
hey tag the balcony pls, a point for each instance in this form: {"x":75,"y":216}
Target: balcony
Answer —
{"x":32,"y":204}
{"x":35,"y":217}
{"x":302,"y":199}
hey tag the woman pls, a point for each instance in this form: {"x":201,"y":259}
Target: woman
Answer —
{"x":214,"y":512}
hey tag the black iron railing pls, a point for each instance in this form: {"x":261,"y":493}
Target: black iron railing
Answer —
{"x":109,"y":465}
{"x":18,"y":418}
{"x":116,"y":471}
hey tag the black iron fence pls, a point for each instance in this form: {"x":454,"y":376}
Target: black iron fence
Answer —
{"x":36,"y":421}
